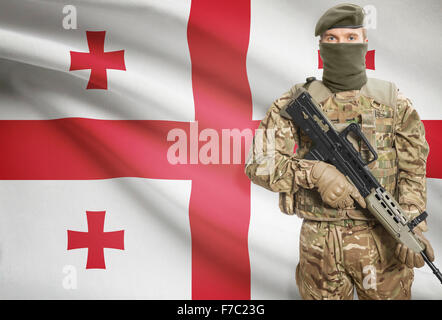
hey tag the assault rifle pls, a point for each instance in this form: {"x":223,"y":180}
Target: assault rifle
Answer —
{"x":335,"y":148}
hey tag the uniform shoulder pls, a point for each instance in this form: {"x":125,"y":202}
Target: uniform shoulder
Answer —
{"x":283,"y":100}
{"x":316,"y":89}
{"x":286,"y":97}
{"x":382,"y":91}
{"x":403,"y":99}
{"x":405,"y":110}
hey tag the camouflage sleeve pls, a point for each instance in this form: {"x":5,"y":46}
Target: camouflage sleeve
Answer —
{"x":412,"y":151}
{"x":271,"y":162}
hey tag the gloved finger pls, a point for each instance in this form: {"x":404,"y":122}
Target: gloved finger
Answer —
{"x":398,"y":250}
{"x":430,"y":252}
{"x":403,"y":254}
{"x":328,"y":200}
{"x":327,"y":194}
{"x":409,"y":261}
{"x":357,"y":196}
{"x":418,"y":260}
{"x":332,"y":196}
{"x":336,"y":189}
{"x":428,"y":248}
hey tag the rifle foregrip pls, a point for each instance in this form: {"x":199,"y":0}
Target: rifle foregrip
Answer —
{"x":383,"y":206}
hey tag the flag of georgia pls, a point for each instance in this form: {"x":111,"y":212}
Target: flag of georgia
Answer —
{"x":125,"y":126}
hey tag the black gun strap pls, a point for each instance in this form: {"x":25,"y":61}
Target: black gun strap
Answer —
{"x":413,"y":223}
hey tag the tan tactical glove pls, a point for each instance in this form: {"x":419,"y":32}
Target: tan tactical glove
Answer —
{"x":335,"y":189}
{"x":408,"y":256}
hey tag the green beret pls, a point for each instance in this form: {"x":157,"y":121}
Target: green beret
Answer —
{"x":341,"y":16}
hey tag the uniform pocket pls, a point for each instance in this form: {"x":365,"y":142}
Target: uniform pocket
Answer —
{"x":310,"y":271}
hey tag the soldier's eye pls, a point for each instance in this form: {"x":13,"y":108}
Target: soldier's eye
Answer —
{"x":351,"y":38}
{"x":331,"y":38}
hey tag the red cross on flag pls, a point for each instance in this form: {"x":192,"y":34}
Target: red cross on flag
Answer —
{"x":95,"y":240}
{"x":93,"y":202}
{"x":97,"y":60}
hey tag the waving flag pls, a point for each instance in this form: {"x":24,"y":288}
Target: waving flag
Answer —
{"x":124,"y":129}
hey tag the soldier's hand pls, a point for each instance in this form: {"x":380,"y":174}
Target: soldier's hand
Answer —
{"x":333,"y":186}
{"x":411,"y":258}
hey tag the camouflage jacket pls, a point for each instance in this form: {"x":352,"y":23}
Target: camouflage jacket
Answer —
{"x":392,"y":126}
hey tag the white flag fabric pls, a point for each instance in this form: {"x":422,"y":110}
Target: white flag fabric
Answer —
{"x":155,"y":262}
{"x":94,"y":94}
{"x":36,"y":264}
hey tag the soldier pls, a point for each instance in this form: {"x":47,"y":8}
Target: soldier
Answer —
{"x":342,"y":246}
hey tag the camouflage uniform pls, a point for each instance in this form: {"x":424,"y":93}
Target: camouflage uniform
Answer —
{"x":336,"y":244}
{"x":335,"y":257}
